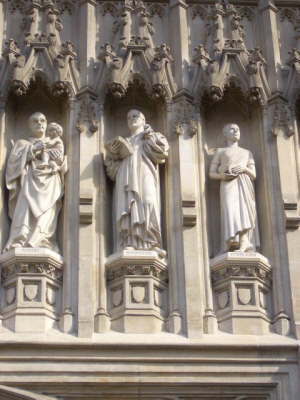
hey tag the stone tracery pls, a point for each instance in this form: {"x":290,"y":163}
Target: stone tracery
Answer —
{"x":41,"y":50}
{"x":134,"y":52}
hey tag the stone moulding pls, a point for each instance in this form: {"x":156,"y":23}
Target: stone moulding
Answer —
{"x":31,"y":282}
{"x":41,"y":53}
{"x":133,"y":55}
{"x":137,"y":291}
{"x":242,"y":287}
{"x":223,"y":58}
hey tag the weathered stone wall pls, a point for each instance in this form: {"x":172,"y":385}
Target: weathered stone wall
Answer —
{"x":88,"y":323}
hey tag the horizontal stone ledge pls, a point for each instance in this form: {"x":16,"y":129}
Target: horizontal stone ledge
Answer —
{"x":163,"y":341}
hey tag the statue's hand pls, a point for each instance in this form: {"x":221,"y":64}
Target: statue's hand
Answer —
{"x":227,"y":176}
{"x":38,"y":146}
{"x":237,"y":170}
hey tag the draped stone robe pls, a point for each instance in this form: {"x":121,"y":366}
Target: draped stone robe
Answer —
{"x":136,"y":209}
{"x":34,"y":198}
{"x":237,"y":197}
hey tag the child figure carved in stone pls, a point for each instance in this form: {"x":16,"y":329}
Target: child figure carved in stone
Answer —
{"x":53,"y":142}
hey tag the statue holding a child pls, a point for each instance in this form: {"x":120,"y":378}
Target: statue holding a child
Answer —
{"x":132,"y":162}
{"x":35,"y":181}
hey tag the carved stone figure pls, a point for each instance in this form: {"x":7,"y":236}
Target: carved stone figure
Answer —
{"x":235,"y":167}
{"x":133,"y":164}
{"x":35,"y":180}
{"x":52,"y":141}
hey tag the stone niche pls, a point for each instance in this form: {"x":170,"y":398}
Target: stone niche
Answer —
{"x":137,"y":280}
{"x":31,"y":278}
{"x":241,"y":281}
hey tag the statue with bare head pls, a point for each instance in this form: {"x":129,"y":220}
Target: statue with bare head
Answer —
{"x":35,"y":186}
{"x":235,"y":168}
{"x":132,"y":163}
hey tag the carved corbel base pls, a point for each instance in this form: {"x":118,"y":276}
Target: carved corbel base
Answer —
{"x":242,"y":285}
{"x":137,"y":291}
{"x":31,"y":289}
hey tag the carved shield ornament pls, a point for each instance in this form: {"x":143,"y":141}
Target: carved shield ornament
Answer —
{"x":223,"y":299}
{"x":244,"y":295}
{"x":117,"y":297}
{"x":51,"y":295}
{"x":263,"y":299}
{"x":30,"y":291}
{"x":10,"y":295}
{"x":138,"y":294}
{"x":158,"y":299}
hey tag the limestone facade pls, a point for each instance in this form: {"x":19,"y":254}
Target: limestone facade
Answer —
{"x":85,"y":317}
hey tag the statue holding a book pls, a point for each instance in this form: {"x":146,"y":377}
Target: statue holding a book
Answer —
{"x":132,"y":163}
{"x":234,"y":166}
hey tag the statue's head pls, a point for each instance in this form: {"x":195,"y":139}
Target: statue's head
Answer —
{"x":54,"y":130}
{"x":232,"y":132}
{"x":37,"y":124}
{"x":135,"y":120}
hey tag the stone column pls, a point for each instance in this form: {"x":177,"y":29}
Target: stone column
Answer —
{"x":179,"y":40}
{"x":3,"y":155}
{"x":183,"y":215}
{"x":292,"y":212}
{"x":2,"y":15}
{"x":102,"y":318}
{"x":88,"y":34}
{"x":210,"y":320}
{"x":86,"y":128}
{"x":277,"y":251}
{"x":4,"y":218}
{"x":70,"y":222}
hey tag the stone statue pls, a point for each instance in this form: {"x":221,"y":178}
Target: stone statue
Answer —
{"x":235,"y":167}
{"x":133,"y":164}
{"x":35,"y":180}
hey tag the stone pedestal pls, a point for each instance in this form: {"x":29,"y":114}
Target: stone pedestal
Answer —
{"x":31,"y":283}
{"x":137,"y":291}
{"x":242,"y":284}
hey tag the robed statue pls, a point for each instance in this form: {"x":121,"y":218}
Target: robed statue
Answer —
{"x":235,"y":168}
{"x":132,"y":162}
{"x":35,"y":181}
